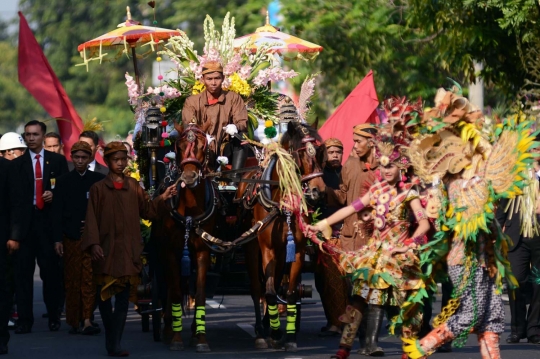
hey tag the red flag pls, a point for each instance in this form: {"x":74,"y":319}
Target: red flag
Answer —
{"x":359,"y":107}
{"x":37,"y":75}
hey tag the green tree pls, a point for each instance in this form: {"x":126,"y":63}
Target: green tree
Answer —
{"x":358,"y":36}
{"x":17,"y":105}
{"x":60,"y":26}
{"x":413,"y":45}
{"x":189,"y":16}
{"x":491,"y":32}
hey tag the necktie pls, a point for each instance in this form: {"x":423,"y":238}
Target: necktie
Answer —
{"x":39,"y":184}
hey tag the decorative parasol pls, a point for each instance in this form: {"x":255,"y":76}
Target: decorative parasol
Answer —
{"x":288,"y":46}
{"x":130,"y":34}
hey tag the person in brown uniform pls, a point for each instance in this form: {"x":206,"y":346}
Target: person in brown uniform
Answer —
{"x":113,"y":237}
{"x":328,"y":278}
{"x":222,"y":109}
{"x":356,"y":177}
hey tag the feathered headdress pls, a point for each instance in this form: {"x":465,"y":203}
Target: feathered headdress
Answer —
{"x":451,"y":138}
{"x":394,"y":136}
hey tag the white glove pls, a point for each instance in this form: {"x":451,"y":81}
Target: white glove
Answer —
{"x":231,"y":129}
{"x":222,"y":160}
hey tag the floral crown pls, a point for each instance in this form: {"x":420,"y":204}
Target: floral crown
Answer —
{"x":394,"y":136}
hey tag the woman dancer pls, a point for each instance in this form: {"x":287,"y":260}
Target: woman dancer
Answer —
{"x":386,"y":272}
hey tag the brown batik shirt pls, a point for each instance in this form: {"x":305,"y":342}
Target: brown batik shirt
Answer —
{"x":112,"y":221}
{"x":230,"y":109}
{"x":356,"y":178}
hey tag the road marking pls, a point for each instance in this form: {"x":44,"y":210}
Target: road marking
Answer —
{"x":214,"y":304}
{"x":248,"y":328}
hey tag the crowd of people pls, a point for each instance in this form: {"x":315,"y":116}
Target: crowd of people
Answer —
{"x":82,"y":216}
{"x":66,"y":215}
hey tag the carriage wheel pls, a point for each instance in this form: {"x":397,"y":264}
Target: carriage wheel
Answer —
{"x":156,"y":314}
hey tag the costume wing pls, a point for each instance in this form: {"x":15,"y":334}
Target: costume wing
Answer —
{"x":471,"y":209}
{"x":506,"y":167}
{"x":504,"y":175}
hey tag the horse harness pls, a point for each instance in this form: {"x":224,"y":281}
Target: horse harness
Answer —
{"x":258,"y":189}
{"x":191,"y":134}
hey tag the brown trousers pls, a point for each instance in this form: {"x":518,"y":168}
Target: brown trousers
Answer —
{"x":80,"y":287}
{"x":335,"y":290}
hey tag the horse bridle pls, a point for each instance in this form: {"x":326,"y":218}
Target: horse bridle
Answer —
{"x":308,"y":145}
{"x":191,"y":134}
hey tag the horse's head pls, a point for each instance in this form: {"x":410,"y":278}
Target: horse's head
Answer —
{"x":309,"y":152}
{"x":191,"y":153}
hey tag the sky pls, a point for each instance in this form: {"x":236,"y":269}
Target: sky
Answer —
{"x":8,"y":9}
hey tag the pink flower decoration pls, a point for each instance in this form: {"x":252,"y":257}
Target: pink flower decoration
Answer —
{"x":133,"y":92}
{"x":165,"y":135}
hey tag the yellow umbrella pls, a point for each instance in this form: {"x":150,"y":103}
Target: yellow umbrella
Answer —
{"x":130,"y":34}
{"x":287,"y":46}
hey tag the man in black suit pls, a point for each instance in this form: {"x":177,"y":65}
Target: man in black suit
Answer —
{"x":523,"y":255}
{"x":92,"y":139}
{"x":37,"y":171}
{"x":9,"y":237}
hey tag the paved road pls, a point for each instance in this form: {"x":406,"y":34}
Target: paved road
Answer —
{"x":229,"y":335}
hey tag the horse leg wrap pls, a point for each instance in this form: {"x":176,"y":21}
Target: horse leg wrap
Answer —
{"x":291,"y":316}
{"x":274,"y":316}
{"x":291,"y":323}
{"x":200,"y":320}
{"x":177,"y":317}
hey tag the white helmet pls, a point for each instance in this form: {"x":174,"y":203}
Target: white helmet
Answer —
{"x":11,"y":140}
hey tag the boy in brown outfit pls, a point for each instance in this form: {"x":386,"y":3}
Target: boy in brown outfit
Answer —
{"x":112,"y":235}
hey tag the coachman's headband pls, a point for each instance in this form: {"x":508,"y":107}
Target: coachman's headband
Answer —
{"x":365,"y":130}
{"x":212,"y":66}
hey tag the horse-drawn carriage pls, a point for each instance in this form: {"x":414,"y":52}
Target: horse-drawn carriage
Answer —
{"x":209,"y":222}
{"x":244,"y":219}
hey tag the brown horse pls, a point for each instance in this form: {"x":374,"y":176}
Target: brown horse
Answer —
{"x":281,"y":230}
{"x":193,"y":207}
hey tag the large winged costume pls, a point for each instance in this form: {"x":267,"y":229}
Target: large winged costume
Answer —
{"x":470,"y":168}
